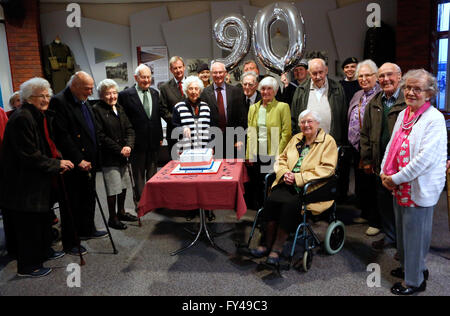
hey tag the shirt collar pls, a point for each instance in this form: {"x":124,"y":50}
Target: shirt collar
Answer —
{"x":325,"y":85}
{"x":394,"y":96}
{"x":221,"y":86}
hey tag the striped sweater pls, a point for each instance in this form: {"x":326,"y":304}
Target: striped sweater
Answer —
{"x":184,"y":116}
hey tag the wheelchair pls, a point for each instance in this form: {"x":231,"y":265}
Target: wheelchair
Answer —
{"x":335,"y":235}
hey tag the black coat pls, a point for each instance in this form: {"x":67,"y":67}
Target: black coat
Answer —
{"x":114,"y":133}
{"x":26,"y":166}
{"x":148,"y":132}
{"x":236,"y":113}
{"x":72,"y":134}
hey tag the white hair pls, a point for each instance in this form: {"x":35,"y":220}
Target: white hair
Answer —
{"x":269,"y":82}
{"x":314,"y":114}
{"x":139,"y":68}
{"x":106,"y":84}
{"x":218,"y":63}
{"x":31,"y":86}
{"x":369,"y":63}
{"x":250,"y":74}
{"x":190,"y":80}
{"x":311,"y":61}
{"x":13,"y":96}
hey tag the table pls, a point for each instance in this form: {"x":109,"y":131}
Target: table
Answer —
{"x":223,"y":190}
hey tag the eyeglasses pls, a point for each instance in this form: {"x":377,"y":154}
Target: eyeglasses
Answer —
{"x":247,"y":84}
{"x":415,"y":90}
{"x":42,"y":96}
{"x":365,"y":76}
{"x":309,"y":122}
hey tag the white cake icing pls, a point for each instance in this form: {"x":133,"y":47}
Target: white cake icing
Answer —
{"x":196,"y":158}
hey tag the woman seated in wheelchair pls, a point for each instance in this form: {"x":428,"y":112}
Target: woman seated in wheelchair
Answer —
{"x":311,"y":154}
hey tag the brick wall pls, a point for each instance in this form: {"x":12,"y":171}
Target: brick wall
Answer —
{"x":23,"y":38}
{"x":414,"y":34}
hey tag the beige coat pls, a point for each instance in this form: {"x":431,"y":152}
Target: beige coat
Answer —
{"x":320,"y":163}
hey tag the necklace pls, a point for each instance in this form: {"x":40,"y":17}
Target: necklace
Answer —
{"x":410,"y":124}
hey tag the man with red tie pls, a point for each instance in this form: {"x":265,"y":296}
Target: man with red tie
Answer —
{"x":171,"y":93}
{"x":227,"y":104}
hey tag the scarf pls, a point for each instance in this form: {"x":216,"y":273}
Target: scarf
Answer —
{"x":391,"y":165}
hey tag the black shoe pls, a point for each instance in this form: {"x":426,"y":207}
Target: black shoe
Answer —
{"x":56,"y":255}
{"x":38,"y":273}
{"x":274,"y":261}
{"x":190,"y":215}
{"x":127,"y":217}
{"x":255,"y":253}
{"x":98,"y":234}
{"x":74,"y":251}
{"x":400,"y":273}
{"x":398,"y":289}
{"x":116,"y":224}
{"x":210,"y":215}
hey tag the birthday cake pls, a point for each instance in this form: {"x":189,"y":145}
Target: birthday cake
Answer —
{"x":196,"y":159}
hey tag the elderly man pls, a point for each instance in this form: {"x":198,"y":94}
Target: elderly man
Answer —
{"x":326,"y":97}
{"x":77,"y":139}
{"x":379,"y":119}
{"x":300,"y":73}
{"x":250,"y":86}
{"x":171,"y":93}
{"x":141,"y":105}
{"x":227,"y":104}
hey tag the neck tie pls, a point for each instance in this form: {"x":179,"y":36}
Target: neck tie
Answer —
{"x":146,"y":103}
{"x":221,"y":107}
{"x":180,"y":86}
{"x":88,"y":120}
{"x":248,"y":103}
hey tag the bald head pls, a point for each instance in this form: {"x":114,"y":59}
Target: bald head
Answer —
{"x":81,"y":85}
{"x":389,"y":76}
{"x":218,"y":72}
{"x":318,"y":71}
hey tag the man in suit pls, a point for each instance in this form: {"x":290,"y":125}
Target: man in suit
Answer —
{"x":250,"y":86}
{"x":171,"y":93}
{"x":141,"y":104}
{"x":227,"y":105}
{"x":77,"y":139}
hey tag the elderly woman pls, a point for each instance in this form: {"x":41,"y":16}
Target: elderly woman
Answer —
{"x":192,"y":116}
{"x":269,"y":131}
{"x":414,"y":167}
{"x":30,"y":164}
{"x":366,"y":72}
{"x":309,"y":155}
{"x":14,"y":103}
{"x":116,"y":136}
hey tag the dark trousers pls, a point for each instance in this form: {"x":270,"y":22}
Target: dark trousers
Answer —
{"x":79,"y":212}
{"x":144,"y":165}
{"x":365,"y":191}
{"x":345,"y":162}
{"x":254,"y":189}
{"x":386,"y":211}
{"x":284,"y":204}
{"x":32,"y":237}
{"x":10,"y":238}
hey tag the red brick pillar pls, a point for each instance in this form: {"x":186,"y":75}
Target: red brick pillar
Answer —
{"x":414,"y":34}
{"x":23,"y":36}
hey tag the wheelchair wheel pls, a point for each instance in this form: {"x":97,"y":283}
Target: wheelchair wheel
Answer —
{"x":307,"y":260}
{"x":335,"y":237}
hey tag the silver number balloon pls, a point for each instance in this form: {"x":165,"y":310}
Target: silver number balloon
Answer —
{"x":268,"y":15}
{"x":239,"y":44}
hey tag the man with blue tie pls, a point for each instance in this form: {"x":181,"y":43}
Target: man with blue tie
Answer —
{"x":76,"y":138}
{"x":141,"y":105}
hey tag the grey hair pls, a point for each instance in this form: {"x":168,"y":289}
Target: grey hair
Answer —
{"x":311,"y":61}
{"x":13,"y":96}
{"x":269,"y":82}
{"x":250,"y":74}
{"x":431,"y":82}
{"x":218,"y":63}
{"x":106,"y":84}
{"x":314,"y":114}
{"x":190,"y":80}
{"x":32,"y":85}
{"x":137,"y":72}
{"x":369,"y":63}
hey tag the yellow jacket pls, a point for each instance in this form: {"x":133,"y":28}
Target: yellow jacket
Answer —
{"x":278,"y":123}
{"x":319,"y":163}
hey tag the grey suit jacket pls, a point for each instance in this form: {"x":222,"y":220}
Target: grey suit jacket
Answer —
{"x":169,"y":96}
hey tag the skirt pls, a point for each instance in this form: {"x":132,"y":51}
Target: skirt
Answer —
{"x":116,"y":180}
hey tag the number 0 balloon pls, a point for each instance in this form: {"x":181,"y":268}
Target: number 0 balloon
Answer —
{"x":239,"y":44}
{"x":288,"y":13}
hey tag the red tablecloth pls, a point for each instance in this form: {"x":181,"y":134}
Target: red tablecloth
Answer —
{"x":187,"y":192}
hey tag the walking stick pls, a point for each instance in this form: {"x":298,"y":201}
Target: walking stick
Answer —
{"x":104,"y":218}
{"x":133,"y":188}
{"x":69,"y":212}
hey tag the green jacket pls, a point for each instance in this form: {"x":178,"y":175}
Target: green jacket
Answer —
{"x":278,"y":120}
{"x":372,"y":128}
{"x":336,"y":98}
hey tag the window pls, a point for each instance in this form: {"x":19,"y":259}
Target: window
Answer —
{"x":443,"y":21}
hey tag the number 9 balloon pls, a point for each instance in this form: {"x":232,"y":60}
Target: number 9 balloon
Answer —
{"x":261,"y":36}
{"x":239,"y":44}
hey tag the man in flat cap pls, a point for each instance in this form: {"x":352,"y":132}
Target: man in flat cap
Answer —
{"x":300,"y":73}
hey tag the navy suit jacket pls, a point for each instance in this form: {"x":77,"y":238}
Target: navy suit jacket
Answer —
{"x":148,"y":131}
